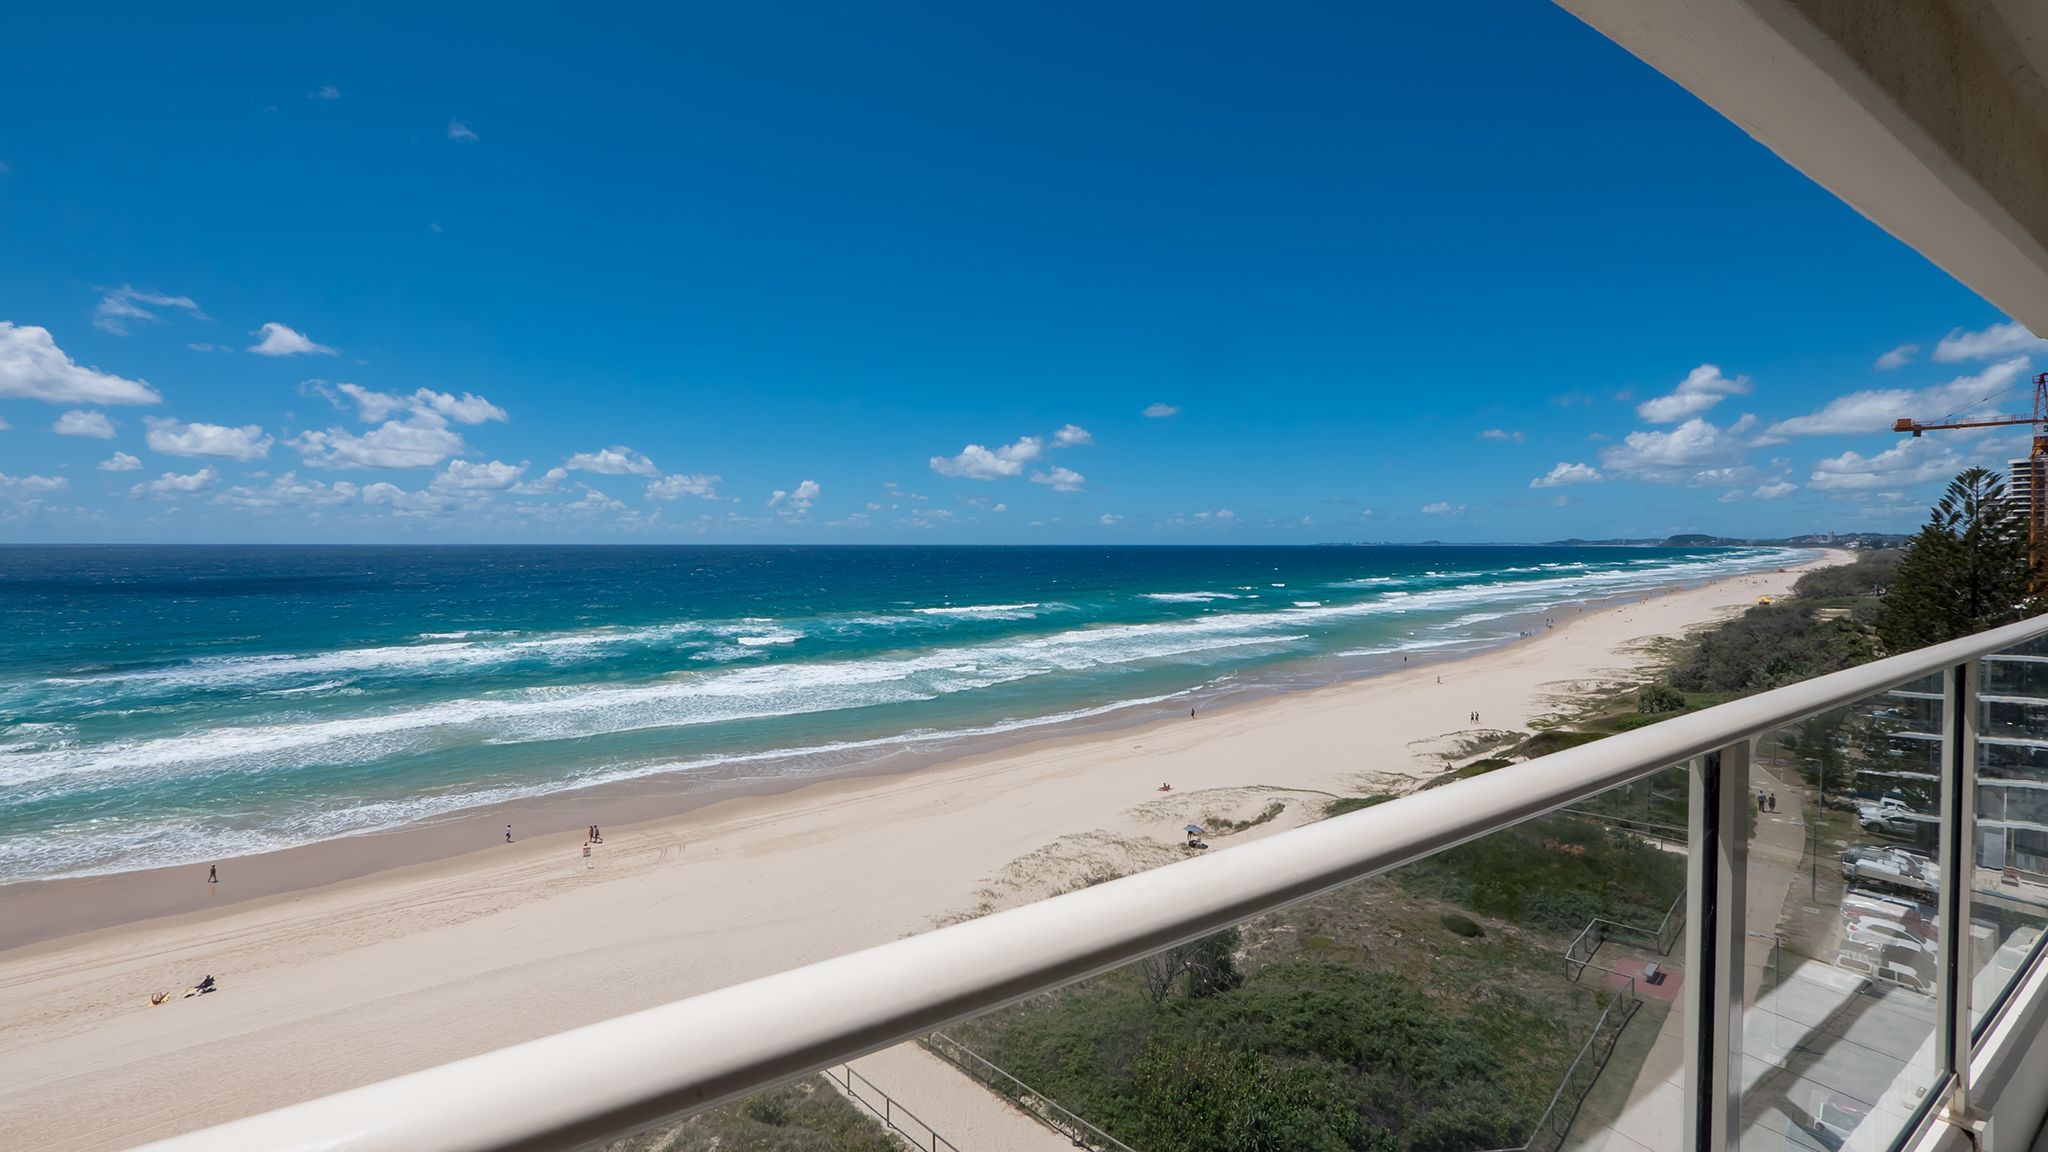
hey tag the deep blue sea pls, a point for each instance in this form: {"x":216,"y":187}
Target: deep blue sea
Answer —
{"x":163,"y":705}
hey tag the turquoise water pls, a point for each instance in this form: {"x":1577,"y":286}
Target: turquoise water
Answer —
{"x":169,"y":705}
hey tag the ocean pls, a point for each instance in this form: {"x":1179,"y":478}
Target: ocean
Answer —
{"x":169,"y":705}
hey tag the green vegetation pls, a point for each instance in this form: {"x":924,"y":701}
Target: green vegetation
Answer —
{"x":1657,"y":699}
{"x":1966,"y":571}
{"x":1461,"y":924}
{"x":1555,"y":874}
{"x":1225,"y":824}
{"x":807,"y":1116}
{"x":1425,"y":1011}
{"x":1344,"y":804}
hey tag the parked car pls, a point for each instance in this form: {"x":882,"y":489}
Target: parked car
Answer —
{"x":1894,"y":867}
{"x":1880,"y":933}
{"x":1865,"y":903}
{"x":1890,"y":814}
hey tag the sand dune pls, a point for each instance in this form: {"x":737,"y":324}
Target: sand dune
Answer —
{"x":326,"y":989}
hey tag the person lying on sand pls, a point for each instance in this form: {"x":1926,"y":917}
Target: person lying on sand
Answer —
{"x":156,"y":998}
{"x":1166,"y":787}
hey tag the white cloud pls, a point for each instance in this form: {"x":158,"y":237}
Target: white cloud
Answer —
{"x":617,"y":460}
{"x":1701,"y":389}
{"x":1898,"y":357}
{"x":325,"y":92}
{"x":1774,"y":490}
{"x":468,"y":409}
{"x":978,"y":463}
{"x":797,"y":501}
{"x":550,"y":481}
{"x":125,"y":303}
{"x":1158,"y":410}
{"x":172,"y":484}
{"x":373,"y":406}
{"x":177,"y":438}
{"x":120,"y":462}
{"x":1061,"y":479}
{"x":1693,"y":453}
{"x":1875,"y":411}
{"x":457,"y":130}
{"x":1998,"y":340}
{"x":1109,"y":518}
{"x":32,"y":367}
{"x":1907,"y":462}
{"x":1443,"y":508}
{"x":288,"y":491}
{"x":31,"y":485}
{"x":1566,"y":474}
{"x":202,"y":346}
{"x":1071,"y":435}
{"x":412,"y":444}
{"x":384,"y":494}
{"x":1000,"y":508}
{"x":464,"y":476}
{"x":79,"y":422}
{"x":1503,"y":435}
{"x":279,"y":340}
{"x":677,"y":485}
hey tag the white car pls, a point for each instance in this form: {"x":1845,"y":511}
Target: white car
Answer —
{"x":1879,"y":933}
{"x":1890,"y":866}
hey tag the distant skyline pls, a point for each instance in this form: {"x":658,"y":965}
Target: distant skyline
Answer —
{"x":922,"y":274}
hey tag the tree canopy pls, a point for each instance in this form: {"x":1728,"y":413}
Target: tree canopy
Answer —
{"x":1966,"y":571}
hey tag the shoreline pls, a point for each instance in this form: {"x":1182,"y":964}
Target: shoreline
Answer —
{"x":38,"y":911}
{"x":331,"y":987}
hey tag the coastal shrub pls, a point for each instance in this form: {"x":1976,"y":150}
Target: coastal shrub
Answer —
{"x":1225,"y":824}
{"x":1659,"y":698}
{"x":1555,"y":874}
{"x":1344,"y":804}
{"x":1554,"y":740}
{"x":1768,"y":646}
{"x":1301,"y":1054}
{"x":1868,"y":575}
{"x":1461,"y":925}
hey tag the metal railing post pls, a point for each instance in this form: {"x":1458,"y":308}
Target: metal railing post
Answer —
{"x":1716,"y":879}
{"x":1958,"y":855}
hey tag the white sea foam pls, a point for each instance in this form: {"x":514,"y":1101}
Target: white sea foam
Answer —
{"x":1190,"y":597}
{"x":982,"y":611}
{"x":90,"y":848}
{"x":765,"y":640}
{"x":37,"y":765}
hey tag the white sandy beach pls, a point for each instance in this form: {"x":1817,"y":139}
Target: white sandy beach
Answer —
{"x":338,"y":986}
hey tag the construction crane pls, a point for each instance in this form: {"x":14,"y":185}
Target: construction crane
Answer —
{"x":2037,"y":471}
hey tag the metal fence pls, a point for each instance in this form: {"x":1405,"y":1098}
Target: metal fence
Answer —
{"x":1033,"y":1102}
{"x":1662,"y":938}
{"x":1582,"y":1074}
{"x":896,"y":1117}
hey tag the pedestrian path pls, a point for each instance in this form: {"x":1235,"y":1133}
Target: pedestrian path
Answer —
{"x":946,"y":1101}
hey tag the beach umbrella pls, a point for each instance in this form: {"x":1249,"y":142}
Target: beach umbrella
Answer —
{"x":1194,"y":830}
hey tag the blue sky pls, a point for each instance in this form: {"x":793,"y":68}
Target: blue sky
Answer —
{"x":937,"y":273}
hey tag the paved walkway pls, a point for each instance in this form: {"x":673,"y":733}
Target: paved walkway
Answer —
{"x":949,"y":1102}
{"x":1654,"y":1117}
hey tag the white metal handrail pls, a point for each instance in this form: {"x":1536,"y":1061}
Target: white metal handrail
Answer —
{"x":622,"y":1075}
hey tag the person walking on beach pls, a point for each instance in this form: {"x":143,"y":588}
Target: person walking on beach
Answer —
{"x":1774,"y":801}
{"x":508,"y":833}
{"x":213,"y":873}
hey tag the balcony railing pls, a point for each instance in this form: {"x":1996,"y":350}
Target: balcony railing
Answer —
{"x":1809,"y":942}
